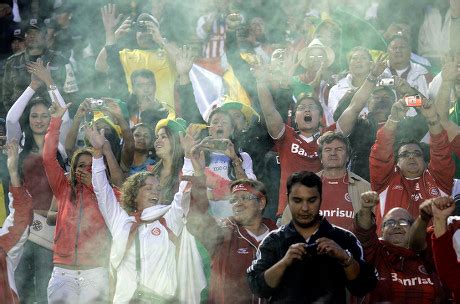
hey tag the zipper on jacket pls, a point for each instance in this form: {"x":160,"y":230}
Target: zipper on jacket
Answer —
{"x":80,"y":213}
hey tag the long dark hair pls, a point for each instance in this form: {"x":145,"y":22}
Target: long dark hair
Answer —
{"x":172,"y":183}
{"x":29,"y":144}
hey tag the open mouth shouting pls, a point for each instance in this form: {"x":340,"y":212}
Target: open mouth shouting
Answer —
{"x":307,"y":118}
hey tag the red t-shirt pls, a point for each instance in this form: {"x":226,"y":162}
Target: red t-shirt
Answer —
{"x":295,"y":154}
{"x":336,"y":203}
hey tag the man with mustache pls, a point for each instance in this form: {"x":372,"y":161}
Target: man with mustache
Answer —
{"x":309,"y":260}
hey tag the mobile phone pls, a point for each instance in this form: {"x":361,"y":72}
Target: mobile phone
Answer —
{"x":413,"y":101}
{"x":311,"y":249}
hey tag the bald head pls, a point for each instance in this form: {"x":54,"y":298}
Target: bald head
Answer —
{"x":396,"y":226}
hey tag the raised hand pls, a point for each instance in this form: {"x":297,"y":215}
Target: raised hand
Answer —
{"x":96,"y":138}
{"x":398,"y":111}
{"x":369,"y":200}
{"x":56,"y":110}
{"x":109,"y":17}
{"x":425,"y":210}
{"x":428,"y":109}
{"x":379,"y":65}
{"x":261,"y":72}
{"x":40,"y":72}
{"x":124,"y":28}
{"x":442,"y":207}
{"x":83,"y":109}
{"x":12,"y":149}
{"x":184,"y":61}
{"x":154,"y":30}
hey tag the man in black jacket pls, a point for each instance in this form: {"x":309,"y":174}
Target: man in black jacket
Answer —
{"x":309,"y":260}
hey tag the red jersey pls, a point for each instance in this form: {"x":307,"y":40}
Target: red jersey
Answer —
{"x":397,"y":191}
{"x":336,"y":203}
{"x":403,"y":275}
{"x":296,"y":153}
{"x":445,"y":260}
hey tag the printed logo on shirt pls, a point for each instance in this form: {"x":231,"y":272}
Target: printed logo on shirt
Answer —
{"x":242,"y":251}
{"x":156,"y":231}
{"x":416,"y":197}
{"x":417,"y":187}
{"x":397,"y":187}
{"x":411,"y":281}
{"x":337,"y":213}
{"x":347,"y":197}
{"x":434,"y":191}
{"x":422,"y":269}
{"x":296,"y":149}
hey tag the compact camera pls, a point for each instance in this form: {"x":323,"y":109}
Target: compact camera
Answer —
{"x":413,"y":101}
{"x":96,"y":104}
{"x":141,"y":26}
{"x":387,"y":82}
{"x":312,"y":249}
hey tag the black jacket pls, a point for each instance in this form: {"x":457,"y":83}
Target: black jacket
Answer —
{"x":315,"y":279}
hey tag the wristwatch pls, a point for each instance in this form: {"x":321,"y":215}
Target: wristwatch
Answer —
{"x":52,"y":87}
{"x":349,"y":260}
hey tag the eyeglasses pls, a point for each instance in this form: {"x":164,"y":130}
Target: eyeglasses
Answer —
{"x":407,"y":154}
{"x":241,"y":198}
{"x":401,"y":222}
{"x":307,"y":107}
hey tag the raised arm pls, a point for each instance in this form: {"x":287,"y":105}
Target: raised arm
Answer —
{"x":417,"y":232}
{"x":12,"y":232}
{"x":364,"y":226}
{"x":39,"y":71}
{"x":13,"y":128}
{"x":127,"y":151}
{"x":448,"y":75}
{"x":54,"y":171}
{"x":199,"y":222}
{"x":381,"y":159}
{"x":72,"y":135}
{"x":109,"y":206}
{"x":110,"y":21}
{"x":348,"y":118}
{"x":272,"y":117}
{"x":441,"y":164}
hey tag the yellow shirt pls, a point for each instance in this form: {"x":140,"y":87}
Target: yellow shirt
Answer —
{"x":157,"y":62}
{"x":2,"y":205}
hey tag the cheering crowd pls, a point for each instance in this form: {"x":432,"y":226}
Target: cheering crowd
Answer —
{"x":229,"y":151}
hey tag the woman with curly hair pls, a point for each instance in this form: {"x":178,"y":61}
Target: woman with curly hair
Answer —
{"x":144,"y":230}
